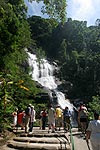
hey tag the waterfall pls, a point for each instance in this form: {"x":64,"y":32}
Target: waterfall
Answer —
{"x":42,"y":72}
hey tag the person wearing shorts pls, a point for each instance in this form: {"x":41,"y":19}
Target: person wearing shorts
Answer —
{"x":83,"y":119}
{"x":51,"y":118}
{"x":58,"y":117}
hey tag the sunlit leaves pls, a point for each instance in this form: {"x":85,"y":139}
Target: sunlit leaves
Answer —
{"x":23,"y":87}
{"x":54,"y":9}
{"x":94,"y":106}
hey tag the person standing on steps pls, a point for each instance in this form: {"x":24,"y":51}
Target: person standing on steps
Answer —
{"x":81,"y":107}
{"x":20,"y":119}
{"x":32,"y":118}
{"x":83,"y":118}
{"x":93,"y":132}
{"x":44,"y":118}
{"x":40,"y":119}
{"x":58,"y":117}
{"x":27,"y":117}
{"x":14,"y":114}
{"x":66,"y":118}
{"x":51,"y":118}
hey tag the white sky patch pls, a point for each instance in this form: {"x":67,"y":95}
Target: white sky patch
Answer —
{"x":34,"y":8}
{"x":84,"y":10}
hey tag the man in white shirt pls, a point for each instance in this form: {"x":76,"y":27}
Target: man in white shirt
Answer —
{"x":51,"y":118}
{"x":93,"y":132}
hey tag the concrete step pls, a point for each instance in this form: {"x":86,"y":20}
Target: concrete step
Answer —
{"x":39,"y":140}
{"x":56,"y":134}
{"x":50,"y":140}
{"x":37,"y":146}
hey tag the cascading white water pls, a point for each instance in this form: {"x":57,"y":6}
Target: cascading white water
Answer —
{"x":43,"y":73}
{"x":62,"y":101}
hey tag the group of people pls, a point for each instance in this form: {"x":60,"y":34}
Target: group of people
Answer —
{"x":55,"y":118}
{"x":24,"y":119}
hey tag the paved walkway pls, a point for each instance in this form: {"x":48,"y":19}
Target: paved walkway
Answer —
{"x":79,"y":142}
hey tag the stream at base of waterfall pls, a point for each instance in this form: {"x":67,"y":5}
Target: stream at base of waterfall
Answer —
{"x":43,"y":72}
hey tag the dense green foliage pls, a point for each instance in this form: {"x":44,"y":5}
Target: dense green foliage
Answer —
{"x":76,"y":49}
{"x":16,"y":86}
{"x":93,"y":106}
{"x":14,"y":34}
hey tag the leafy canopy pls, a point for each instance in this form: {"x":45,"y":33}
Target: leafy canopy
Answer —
{"x":54,"y":9}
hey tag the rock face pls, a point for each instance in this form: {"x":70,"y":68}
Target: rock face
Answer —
{"x":39,"y":140}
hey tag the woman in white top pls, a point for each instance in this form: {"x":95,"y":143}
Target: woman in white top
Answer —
{"x":32,"y":119}
{"x":14,"y":114}
{"x":93,"y":132}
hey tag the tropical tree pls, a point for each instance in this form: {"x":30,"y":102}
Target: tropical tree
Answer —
{"x":94,"y":106}
{"x":14,"y":38}
{"x":62,"y":51}
{"x":54,"y":9}
{"x":14,"y":31}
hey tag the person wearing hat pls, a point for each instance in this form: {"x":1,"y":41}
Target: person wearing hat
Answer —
{"x":93,"y":132}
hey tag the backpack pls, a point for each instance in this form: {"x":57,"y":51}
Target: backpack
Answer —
{"x":27,"y":111}
{"x":83,"y":113}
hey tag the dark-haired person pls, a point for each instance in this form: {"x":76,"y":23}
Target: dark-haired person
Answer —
{"x":32,"y":118}
{"x":20,"y":119}
{"x":93,"y":132}
{"x":27,"y":117}
{"x":83,"y":118}
{"x":14,"y":114}
{"x":66,"y":118}
{"x":44,"y":119}
{"x":59,"y":116}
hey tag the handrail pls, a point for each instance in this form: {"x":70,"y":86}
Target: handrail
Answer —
{"x":72,"y":139}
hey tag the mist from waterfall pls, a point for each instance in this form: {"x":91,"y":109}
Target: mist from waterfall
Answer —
{"x":42,"y":72}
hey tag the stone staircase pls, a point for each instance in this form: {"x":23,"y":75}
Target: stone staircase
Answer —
{"x":39,"y":140}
